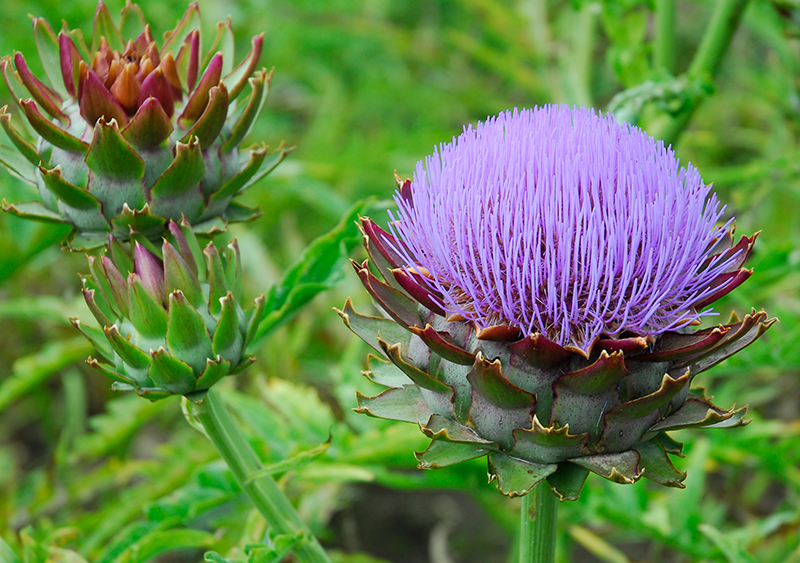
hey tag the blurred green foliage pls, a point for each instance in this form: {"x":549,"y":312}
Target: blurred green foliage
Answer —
{"x":363,"y":88}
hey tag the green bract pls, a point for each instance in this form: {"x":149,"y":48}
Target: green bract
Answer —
{"x":171,"y":324}
{"x":125,"y":134}
{"x":537,"y":409}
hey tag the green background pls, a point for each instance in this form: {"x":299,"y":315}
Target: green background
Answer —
{"x":364,"y":88}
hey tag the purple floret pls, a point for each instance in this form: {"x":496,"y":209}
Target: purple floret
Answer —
{"x":560,"y":221}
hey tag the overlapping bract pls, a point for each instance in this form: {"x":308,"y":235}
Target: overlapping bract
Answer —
{"x":131,"y":135}
{"x":171,"y":320}
{"x":561,"y":221}
{"x":537,"y":409}
{"x":474,"y":263}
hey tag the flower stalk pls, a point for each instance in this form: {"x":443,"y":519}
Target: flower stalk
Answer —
{"x":264,"y":492}
{"x":716,"y":40}
{"x":664,"y":45}
{"x":537,"y":533}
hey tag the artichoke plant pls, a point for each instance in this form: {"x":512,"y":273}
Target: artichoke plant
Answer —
{"x":171,"y":320}
{"x":539,"y":285}
{"x":127,"y":135}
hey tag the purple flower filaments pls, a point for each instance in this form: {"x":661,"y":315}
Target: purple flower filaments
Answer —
{"x":564,"y":222}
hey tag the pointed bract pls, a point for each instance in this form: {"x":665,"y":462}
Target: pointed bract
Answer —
{"x":161,"y":99}
{"x":164,"y":333}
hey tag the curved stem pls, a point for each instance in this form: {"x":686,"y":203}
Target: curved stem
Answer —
{"x":538,"y":526}
{"x":716,"y":40}
{"x":264,"y":491}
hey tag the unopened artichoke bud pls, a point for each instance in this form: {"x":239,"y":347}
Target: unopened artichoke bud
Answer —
{"x":172,"y":323}
{"x":540,"y":283}
{"x":128,"y":135}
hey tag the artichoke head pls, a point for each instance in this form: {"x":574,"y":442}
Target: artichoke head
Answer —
{"x":171,"y":318}
{"x":537,"y":409}
{"x":127,"y":135}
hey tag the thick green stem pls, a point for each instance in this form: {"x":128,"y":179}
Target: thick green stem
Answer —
{"x":264,"y":491}
{"x":664,"y":47}
{"x":716,"y":40}
{"x":578,"y":62}
{"x":537,"y":535}
{"x":724,"y":23}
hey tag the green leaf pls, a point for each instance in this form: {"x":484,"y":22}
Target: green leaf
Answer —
{"x":299,"y":460}
{"x":165,"y":541}
{"x":29,"y":372}
{"x":7,"y":555}
{"x":281,"y":546}
{"x":597,"y":546}
{"x":318,"y":269}
{"x":214,"y":557}
{"x":123,"y":417}
{"x":729,"y":547}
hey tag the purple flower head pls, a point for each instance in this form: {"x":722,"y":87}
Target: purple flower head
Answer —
{"x":565,"y":222}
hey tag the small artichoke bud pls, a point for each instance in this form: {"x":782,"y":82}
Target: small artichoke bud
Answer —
{"x":129,"y":135}
{"x":539,"y":283}
{"x":171,"y":318}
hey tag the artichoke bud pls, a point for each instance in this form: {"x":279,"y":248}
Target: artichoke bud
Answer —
{"x":537,"y":409}
{"x":128,"y":135}
{"x":171,"y":318}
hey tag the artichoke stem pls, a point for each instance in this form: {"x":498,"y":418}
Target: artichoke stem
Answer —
{"x":537,"y":535}
{"x":243,"y":462}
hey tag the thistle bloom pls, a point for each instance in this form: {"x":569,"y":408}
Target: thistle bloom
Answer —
{"x":565,"y":223}
{"x":128,"y":134}
{"x":545,"y":269}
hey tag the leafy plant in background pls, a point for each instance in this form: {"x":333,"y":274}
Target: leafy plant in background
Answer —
{"x":364,"y":88}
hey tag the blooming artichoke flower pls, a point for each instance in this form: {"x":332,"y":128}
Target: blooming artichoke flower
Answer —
{"x":539,"y":283}
{"x":129,"y":135}
{"x":171,"y":320}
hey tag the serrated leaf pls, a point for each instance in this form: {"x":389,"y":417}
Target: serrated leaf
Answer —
{"x":29,"y":372}
{"x":299,"y":460}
